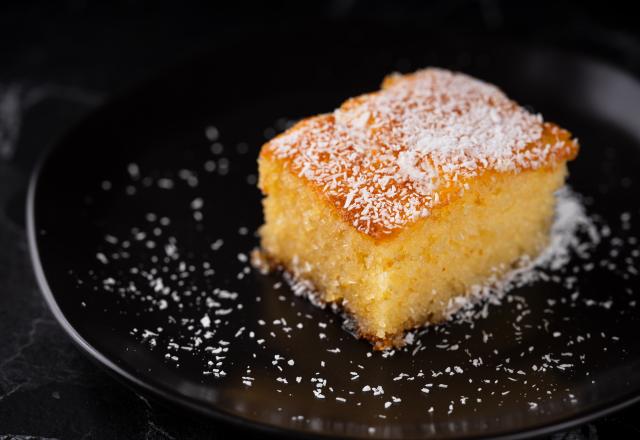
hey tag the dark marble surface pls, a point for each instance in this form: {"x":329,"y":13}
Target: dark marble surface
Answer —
{"x":59,"y":60}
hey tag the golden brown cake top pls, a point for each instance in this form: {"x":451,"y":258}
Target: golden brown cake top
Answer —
{"x":388,"y":158}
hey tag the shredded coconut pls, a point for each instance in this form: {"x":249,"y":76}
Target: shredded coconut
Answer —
{"x":387,"y":158}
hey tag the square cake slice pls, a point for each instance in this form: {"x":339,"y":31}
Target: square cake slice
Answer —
{"x":402,"y":200}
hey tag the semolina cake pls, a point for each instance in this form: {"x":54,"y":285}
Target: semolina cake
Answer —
{"x":402,"y":200}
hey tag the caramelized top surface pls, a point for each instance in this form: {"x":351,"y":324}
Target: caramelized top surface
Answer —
{"x":388,"y":158}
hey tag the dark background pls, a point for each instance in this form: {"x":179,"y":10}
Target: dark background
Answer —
{"x":61,"y":59}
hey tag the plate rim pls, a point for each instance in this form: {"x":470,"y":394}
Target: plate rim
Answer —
{"x":216,"y":413}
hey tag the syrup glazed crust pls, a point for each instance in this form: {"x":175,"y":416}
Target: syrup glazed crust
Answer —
{"x":386,"y":159}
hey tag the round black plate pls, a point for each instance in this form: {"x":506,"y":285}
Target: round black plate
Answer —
{"x":141,"y":219}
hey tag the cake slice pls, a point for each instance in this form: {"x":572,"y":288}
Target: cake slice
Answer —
{"x":401,"y":200}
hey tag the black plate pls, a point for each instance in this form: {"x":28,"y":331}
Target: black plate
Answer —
{"x":137,"y":169}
